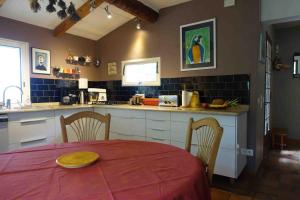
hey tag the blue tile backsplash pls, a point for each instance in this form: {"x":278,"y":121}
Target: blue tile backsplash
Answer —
{"x":209,"y":87}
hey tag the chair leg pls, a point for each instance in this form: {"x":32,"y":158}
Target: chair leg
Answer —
{"x":281,"y":141}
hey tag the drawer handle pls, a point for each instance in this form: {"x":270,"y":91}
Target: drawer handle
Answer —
{"x":33,"y":120}
{"x":159,"y":120}
{"x":157,"y":129}
{"x":158,"y":139}
{"x":33,"y":140}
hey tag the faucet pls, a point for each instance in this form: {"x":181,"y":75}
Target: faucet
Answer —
{"x":10,"y":86}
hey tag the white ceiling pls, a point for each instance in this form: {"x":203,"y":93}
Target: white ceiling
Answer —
{"x":93,"y":26}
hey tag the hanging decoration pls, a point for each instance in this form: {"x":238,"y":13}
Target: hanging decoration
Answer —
{"x":51,"y":7}
{"x":35,"y":6}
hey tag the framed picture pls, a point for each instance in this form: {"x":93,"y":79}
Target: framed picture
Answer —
{"x":40,"y":61}
{"x":198,"y":45}
{"x":112,"y":69}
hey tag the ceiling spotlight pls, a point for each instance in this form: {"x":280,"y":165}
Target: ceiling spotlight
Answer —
{"x":108,"y":13}
{"x":138,"y":24}
{"x":92,"y":5}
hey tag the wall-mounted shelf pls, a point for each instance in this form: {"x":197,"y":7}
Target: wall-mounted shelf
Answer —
{"x":72,"y":74}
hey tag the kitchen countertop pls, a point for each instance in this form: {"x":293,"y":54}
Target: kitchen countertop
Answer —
{"x":55,"y":106}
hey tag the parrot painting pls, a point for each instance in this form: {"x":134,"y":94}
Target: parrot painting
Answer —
{"x":196,"y":51}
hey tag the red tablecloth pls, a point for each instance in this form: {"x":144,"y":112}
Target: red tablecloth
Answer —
{"x":127,"y":170}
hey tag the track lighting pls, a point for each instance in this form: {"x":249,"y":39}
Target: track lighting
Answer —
{"x":138,"y":24}
{"x":108,"y":13}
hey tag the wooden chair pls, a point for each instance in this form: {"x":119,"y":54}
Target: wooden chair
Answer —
{"x":209,"y":134}
{"x":86,"y":125}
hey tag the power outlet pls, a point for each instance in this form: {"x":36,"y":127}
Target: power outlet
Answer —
{"x":247,"y":152}
{"x":228,"y":3}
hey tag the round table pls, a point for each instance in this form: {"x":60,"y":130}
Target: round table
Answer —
{"x":126,"y":170}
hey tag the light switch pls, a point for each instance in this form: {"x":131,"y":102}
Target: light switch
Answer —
{"x":228,"y":3}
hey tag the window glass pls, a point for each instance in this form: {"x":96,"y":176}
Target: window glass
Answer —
{"x":10,"y":63}
{"x":14,"y":66}
{"x":141,"y":72}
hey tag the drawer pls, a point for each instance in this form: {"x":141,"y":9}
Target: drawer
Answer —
{"x":222,"y":119}
{"x":163,"y":141}
{"x":29,"y":130}
{"x":127,"y":114}
{"x":101,"y":111}
{"x":118,"y":136}
{"x":158,"y":124}
{"x":30,"y":116}
{"x":158,"y":115}
{"x":33,"y":143}
{"x":158,"y":134}
{"x":179,"y":129}
{"x":67,"y":113}
{"x":128,"y":126}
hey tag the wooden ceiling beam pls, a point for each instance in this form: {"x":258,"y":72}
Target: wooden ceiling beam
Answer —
{"x":136,"y":8}
{"x":2,"y":2}
{"x":83,"y":11}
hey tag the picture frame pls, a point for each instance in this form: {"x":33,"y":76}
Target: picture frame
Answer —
{"x":198,"y":45}
{"x":40,"y":61}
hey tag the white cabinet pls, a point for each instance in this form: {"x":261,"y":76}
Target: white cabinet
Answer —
{"x":158,"y":127}
{"x":4,"y":138}
{"x":229,"y":161}
{"x":30,"y":129}
{"x":66,"y":113}
{"x":127,"y":124}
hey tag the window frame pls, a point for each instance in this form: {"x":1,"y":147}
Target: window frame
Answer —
{"x":142,"y":61}
{"x":25,"y":67}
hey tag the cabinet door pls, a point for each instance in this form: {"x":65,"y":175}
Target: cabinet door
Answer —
{"x":4,"y":137}
{"x":31,"y":129}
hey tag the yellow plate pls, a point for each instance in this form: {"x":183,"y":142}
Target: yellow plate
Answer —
{"x":77,"y":159}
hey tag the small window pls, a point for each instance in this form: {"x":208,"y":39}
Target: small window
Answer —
{"x":143,"y":72}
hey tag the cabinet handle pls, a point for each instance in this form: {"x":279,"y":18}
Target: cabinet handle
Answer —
{"x":157,"y":129}
{"x":158,"y":139}
{"x":33,"y":120}
{"x":25,"y":141}
{"x":159,"y":120}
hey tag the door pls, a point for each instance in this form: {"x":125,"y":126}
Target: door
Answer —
{"x":267,"y":103}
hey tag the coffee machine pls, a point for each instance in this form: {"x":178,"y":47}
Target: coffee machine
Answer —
{"x":97,"y":96}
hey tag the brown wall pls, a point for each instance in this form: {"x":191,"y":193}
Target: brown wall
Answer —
{"x":286,"y":97}
{"x":237,"y":29}
{"x":42,"y":38}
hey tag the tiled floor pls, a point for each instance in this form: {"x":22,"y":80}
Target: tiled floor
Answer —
{"x":277,"y":179}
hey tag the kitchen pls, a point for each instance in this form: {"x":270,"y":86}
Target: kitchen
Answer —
{"x":93,"y":64}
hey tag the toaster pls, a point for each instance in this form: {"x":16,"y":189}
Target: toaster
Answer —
{"x":168,"y":100}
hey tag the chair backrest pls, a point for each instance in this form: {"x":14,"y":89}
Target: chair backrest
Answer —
{"x":86,"y":125}
{"x":209,"y":134}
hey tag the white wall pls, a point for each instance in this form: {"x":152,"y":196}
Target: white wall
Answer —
{"x":279,"y":9}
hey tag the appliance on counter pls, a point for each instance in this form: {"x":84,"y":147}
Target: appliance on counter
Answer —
{"x":168,"y":100}
{"x":97,"y":96}
{"x":4,"y":138}
{"x":69,"y":99}
{"x":82,"y":85}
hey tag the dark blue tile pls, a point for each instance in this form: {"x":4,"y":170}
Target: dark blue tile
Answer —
{"x":54,"y":99}
{"x":52,"y":87}
{"x":48,"y":93}
{"x":34,"y":100}
{"x":33,"y":87}
{"x":42,"y":87}
{"x":43,"y":99}
{"x":36,"y":93}
{"x":49,"y":81}
{"x":36,"y":81}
